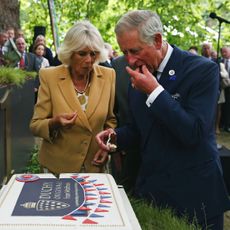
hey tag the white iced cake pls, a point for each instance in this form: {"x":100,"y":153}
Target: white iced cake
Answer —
{"x":74,"y":201}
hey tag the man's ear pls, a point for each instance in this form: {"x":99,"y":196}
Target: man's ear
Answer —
{"x":158,"y":40}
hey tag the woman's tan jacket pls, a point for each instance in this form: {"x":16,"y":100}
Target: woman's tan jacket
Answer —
{"x":74,"y":147}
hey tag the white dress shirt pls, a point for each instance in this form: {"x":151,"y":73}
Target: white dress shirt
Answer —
{"x":152,"y":97}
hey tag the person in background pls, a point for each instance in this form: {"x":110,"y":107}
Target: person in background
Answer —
{"x":225,"y":53}
{"x":115,"y":54}
{"x":214,"y":55}
{"x":221,"y":100}
{"x":10,"y":49}
{"x":193,"y":50}
{"x":28,"y":61}
{"x":109,"y":50}
{"x":75,"y":102}
{"x":56,"y":61}
{"x":206,"y":50}
{"x":11,"y":33}
{"x":48,"y":53}
{"x":39,"y":51}
{"x":19,"y":34}
{"x":3,"y":39}
{"x":172,"y":102}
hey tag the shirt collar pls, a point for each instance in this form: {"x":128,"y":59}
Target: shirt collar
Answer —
{"x":166,"y":59}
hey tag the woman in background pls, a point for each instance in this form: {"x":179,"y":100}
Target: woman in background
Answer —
{"x":48,"y":53}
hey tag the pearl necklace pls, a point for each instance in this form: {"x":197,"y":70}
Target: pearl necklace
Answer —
{"x":86,"y":86}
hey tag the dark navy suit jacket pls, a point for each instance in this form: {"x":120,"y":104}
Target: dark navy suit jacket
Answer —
{"x":180,"y":164}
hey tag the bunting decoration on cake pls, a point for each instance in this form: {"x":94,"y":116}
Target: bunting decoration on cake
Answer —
{"x":96,"y":195}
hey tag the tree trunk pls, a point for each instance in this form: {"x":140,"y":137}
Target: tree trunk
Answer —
{"x":9,"y":14}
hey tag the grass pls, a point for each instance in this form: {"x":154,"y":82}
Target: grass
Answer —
{"x":153,"y":218}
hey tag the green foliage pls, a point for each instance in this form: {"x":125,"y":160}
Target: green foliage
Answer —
{"x":159,"y":219}
{"x":9,"y":75}
{"x":33,"y":165}
{"x":10,"y":59}
{"x":35,"y":13}
{"x":186,"y":22}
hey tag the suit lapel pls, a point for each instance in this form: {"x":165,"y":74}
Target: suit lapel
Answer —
{"x":170,"y":77}
{"x":66,"y":87}
{"x":95,"y":93}
{"x":26,"y":59}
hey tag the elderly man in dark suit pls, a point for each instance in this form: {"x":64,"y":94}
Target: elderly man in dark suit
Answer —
{"x":28,"y":61}
{"x":172,"y":118}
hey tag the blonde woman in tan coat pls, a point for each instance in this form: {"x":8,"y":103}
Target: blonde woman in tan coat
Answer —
{"x":75,"y":102}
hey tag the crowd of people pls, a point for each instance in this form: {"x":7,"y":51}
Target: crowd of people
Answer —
{"x":158,"y":106}
{"x":223,"y":105}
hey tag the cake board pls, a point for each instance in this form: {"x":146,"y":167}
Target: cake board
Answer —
{"x":75,"y":201}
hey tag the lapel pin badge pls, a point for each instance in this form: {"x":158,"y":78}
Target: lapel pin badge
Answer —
{"x":172,"y":75}
{"x":176,"y":96}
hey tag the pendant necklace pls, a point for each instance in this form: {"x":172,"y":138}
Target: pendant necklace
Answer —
{"x":86,"y":86}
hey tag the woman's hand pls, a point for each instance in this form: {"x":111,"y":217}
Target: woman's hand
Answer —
{"x":100,"y":158}
{"x":65,"y":120}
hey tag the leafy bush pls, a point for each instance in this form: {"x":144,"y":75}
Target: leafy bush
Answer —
{"x":9,"y":75}
{"x":33,"y":165}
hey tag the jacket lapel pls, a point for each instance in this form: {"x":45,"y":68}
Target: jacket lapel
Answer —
{"x":171,"y":74}
{"x":95,"y":93}
{"x":66,"y":87}
{"x":170,"y":79}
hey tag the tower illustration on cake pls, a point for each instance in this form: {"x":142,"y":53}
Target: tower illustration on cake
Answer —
{"x":45,"y":205}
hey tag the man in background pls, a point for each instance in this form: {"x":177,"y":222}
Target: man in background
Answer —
{"x":225,"y":53}
{"x":3,"y":39}
{"x":28,"y":61}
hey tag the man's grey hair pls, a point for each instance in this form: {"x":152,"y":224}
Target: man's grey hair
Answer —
{"x":206,"y":44}
{"x":146,"y":22}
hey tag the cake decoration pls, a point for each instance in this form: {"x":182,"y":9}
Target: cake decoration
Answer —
{"x":76,"y":201}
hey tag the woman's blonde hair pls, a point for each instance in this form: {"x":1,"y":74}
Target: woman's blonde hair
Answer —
{"x":83,"y":34}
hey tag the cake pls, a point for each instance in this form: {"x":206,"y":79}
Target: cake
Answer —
{"x":74,"y":201}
